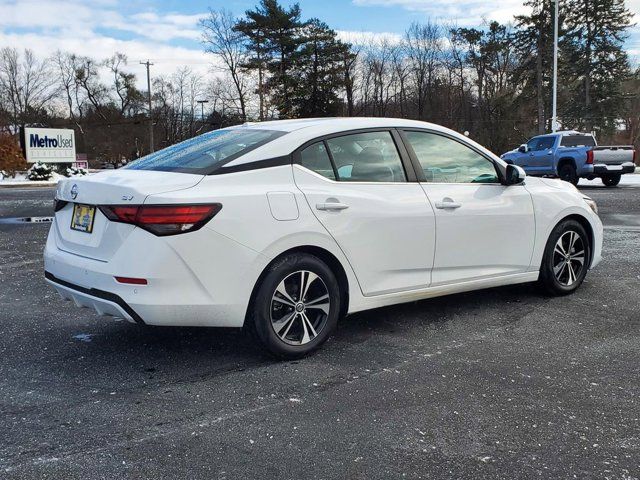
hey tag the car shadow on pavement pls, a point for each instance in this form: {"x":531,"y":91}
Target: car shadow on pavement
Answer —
{"x":177,"y":350}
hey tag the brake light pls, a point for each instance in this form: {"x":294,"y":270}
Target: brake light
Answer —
{"x":163,"y":220}
{"x":589,"y":157}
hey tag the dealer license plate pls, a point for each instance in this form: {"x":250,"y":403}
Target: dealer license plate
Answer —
{"x":82,"y":219}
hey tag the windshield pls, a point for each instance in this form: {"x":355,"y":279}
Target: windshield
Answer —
{"x":207,"y":152}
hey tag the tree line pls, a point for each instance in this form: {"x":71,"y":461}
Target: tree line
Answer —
{"x":493,"y":81}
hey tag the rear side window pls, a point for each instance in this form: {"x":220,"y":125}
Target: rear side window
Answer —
{"x":205,"y":153}
{"x":367,"y":157}
{"x":578,"y":141}
{"x":316,"y":159}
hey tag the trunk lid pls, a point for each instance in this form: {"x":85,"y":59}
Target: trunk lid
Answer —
{"x":117,"y":187}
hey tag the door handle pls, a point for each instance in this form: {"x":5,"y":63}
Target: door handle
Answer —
{"x":448,"y":204}
{"x":329,"y":206}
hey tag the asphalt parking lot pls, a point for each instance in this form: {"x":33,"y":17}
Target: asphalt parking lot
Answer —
{"x":502,"y":383}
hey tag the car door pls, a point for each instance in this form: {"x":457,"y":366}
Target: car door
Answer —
{"x":541,"y":157}
{"x":483,"y":228}
{"x":367,"y":197}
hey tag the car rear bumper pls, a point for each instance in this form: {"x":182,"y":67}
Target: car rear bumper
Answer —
{"x":104,"y":303}
{"x":603,"y":169}
{"x":183,"y":288}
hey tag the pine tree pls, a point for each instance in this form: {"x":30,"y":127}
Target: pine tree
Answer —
{"x":254,"y":28}
{"x":318,"y":72}
{"x":533,"y":41}
{"x":596,"y":30}
{"x":274,"y":39}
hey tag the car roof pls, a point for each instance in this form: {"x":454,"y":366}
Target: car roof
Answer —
{"x":339,"y":123}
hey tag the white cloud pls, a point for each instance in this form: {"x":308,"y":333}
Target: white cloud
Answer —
{"x":93,"y":28}
{"x":363,"y":38}
{"x":462,"y":12}
{"x":468,"y":12}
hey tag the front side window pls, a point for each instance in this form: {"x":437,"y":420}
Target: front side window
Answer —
{"x":367,"y":157}
{"x":445,"y":160}
{"x":537,"y":144}
{"x":204,"y":153}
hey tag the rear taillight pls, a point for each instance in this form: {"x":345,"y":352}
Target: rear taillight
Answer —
{"x":163,"y":219}
{"x":589,"y":157}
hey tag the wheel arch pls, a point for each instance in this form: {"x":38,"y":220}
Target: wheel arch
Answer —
{"x":323,"y":254}
{"x":566,"y":160}
{"x":586,"y":225}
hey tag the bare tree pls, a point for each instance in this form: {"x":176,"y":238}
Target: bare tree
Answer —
{"x":65,"y":64}
{"x":124,"y":84}
{"x":424,"y":55}
{"x":26,"y":83}
{"x":221,"y":40}
{"x":87,"y":78}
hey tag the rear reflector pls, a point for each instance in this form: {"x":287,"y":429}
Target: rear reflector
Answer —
{"x":163,"y":219}
{"x":132,"y":281}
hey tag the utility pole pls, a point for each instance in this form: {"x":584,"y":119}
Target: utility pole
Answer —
{"x":202,"y":102}
{"x":554,"y":117}
{"x":148,"y":64}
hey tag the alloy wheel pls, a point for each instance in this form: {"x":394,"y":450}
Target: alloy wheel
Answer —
{"x":569,"y":258}
{"x":300,"y":307}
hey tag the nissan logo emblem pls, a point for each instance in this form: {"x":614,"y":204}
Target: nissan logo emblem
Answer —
{"x":74,"y":191}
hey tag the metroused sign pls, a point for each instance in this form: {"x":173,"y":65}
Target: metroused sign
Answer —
{"x":49,"y":145}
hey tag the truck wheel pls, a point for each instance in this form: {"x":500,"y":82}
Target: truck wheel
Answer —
{"x":567,"y":172}
{"x":611,"y":180}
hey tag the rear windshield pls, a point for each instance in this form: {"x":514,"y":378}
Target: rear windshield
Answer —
{"x":578,"y":141}
{"x":207,"y":152}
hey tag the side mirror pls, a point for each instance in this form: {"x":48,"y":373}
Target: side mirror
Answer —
{"x":523,"y":148}
{"x":514,"y":175}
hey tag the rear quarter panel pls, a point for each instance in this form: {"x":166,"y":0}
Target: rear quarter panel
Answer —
{"x":577,"y":154}
{"x":249,"y":218}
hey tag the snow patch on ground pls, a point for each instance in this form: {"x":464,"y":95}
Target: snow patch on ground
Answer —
{"x":21,"y":180}
{"x":628,"y":179}
{"x":84,"y":337}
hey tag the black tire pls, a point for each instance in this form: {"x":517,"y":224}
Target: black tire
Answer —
{"x":284,"y":274}
{"x":611,"y":180}
{"x":560,"y":283}
{"x":567,"y":172}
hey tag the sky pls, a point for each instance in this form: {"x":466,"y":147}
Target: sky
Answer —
{"x":166,"y":31}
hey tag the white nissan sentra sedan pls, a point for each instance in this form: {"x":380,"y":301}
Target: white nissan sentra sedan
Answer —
{"x":284,"y":227}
